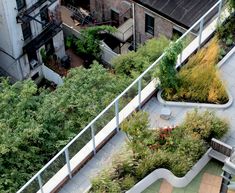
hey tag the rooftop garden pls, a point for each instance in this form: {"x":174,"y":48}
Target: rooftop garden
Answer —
{"x":56,"y":116}
{"x":199,"y":79}
{"x":176,"y":149}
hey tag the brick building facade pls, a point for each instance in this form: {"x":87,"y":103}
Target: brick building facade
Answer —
{"x":152,"y":18}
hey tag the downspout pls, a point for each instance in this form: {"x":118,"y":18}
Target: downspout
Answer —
{"x":134,"y":35}
{"x":102,"y":8}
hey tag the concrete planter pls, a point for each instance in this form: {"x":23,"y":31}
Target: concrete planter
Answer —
{"x":201,"y":105}
{"x":175,"y":181}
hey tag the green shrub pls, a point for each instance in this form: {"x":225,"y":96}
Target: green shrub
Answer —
{"x":232,"y":4}
{"x":150,"y":162}
{"x":205,"y":125}
{"x":105,"y":184}
{"x":88,"y":44}
{"x":133,"y":63}
{"x":136,"y":127}
{"x":225,"y":31}
{"x":127,"y":182}
{"x":183,"y":147}
{"x":167,"y":73}
{"x":153,"y":48}
{"x":130,"y":64}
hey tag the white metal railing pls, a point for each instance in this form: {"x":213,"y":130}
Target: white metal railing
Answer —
{"x":36,"y":183}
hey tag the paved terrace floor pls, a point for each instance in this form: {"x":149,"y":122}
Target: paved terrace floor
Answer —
{"x":82,"y":180}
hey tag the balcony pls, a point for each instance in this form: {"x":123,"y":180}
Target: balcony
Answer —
{"x":35,"y":43}
{"x":24,"y":13}
{"x":124,"y":31}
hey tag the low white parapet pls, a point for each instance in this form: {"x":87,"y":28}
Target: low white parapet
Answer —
{"x":51,"y":75}
{"x":175,"y":181}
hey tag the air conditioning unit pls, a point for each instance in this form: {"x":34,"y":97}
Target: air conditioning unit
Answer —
{"x":33,"y":63}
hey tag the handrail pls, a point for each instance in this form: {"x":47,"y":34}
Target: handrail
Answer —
{"x":116,"y":100}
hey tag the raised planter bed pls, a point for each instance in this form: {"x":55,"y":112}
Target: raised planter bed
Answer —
{"x":205,"y":105}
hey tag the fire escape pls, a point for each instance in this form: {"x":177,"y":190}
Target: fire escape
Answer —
{"x":50,"y":28}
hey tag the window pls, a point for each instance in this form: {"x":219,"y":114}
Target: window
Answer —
{"x":176,"y":34}
{"x":149,"y":24}
{"x":44,"y":16}
{"x":20,"y":4}
{"x":115,"y":18}
{"x":49,"y":47}
{"x":26,"y":30}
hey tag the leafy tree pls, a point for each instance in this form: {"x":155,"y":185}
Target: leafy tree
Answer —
{"x":133,"y":64}
{"x":35,"y":124}
{"x":20,"y":140}
{"x":167,"y":72}
{"x":89,"y":42}
{"x":83,"y":95}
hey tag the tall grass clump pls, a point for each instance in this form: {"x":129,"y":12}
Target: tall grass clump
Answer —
{"x":200,"y":80}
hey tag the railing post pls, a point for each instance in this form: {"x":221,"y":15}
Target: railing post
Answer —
{"x":66,"y":152}
{"x":117,"y":114}
{"x":219,"y":12}
{"x":139,"y":92}
{"x":133,"y":28}
{"x":93,"y":138}
{"x":200,"y":32}
{"x":181,"y":56}
{"x":40,"y":183}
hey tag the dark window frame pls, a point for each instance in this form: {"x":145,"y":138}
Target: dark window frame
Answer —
{"x":149,"y":24}
{"x":26,"y":30}
{"x":44,"y":14}
{"x":20,"y":4}
{"x":176,"y":33}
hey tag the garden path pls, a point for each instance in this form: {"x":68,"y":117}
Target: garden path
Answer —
{"x":82,"y":180}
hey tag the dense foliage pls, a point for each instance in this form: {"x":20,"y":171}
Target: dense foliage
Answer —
{"x":232,"y":4}
{"x":167,"y":73}
{"x":88,"y":45}
{"x":35,"y":124}
{"x":200,"y":79}
{"x":20,"y":131}
{"x":226,"y":35}
{"x":176,"y":149}
{"x":133,"y":63}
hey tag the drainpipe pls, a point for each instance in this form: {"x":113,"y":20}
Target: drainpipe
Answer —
{"x":102,"y":6}
{"x":134,"y":36}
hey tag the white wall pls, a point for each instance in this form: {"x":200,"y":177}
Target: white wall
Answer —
{"x":12,"y":41}
{"x":58,"y":42}
{"x":51,"y":75}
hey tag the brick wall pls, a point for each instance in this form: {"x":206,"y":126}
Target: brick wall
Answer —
{"x":161,"y":25}
{"x":103,"y":8}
